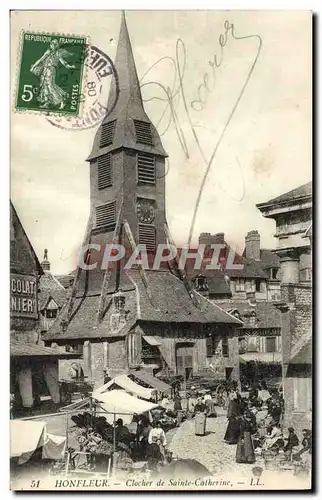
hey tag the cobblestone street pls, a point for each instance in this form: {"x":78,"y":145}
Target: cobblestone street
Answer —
{"x":210,"y":450}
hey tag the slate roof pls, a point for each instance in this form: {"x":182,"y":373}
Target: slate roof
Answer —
{"x":218,"y":285}
{"x":50,"y":287}
{"x":15,"y":221}
{"x":66,"y":280}
{"x":24,"y":349}
{"x":269,"y":259}
{"x":251,"y":269}
{"x":170,"y":303}
{"x":83,"y":322}
{"x":268,"y":316}
{"x":295,"y":194}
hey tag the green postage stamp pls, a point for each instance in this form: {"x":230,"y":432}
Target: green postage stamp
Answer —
{"x":51,"y":70}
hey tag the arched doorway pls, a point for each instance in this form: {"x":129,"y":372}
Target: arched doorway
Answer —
{"x":184,"y":359}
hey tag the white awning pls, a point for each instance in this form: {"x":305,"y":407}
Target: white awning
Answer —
{"x":26,"y":436}
{"x":124,"y":382}
{"x":261,"y":357}
{"x":123,"y":405}
{"x":153,"y":341}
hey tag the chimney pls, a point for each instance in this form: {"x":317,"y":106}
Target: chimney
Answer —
{"x":45,"y":263}
{"x":252,"y":245}
{"x":205,"y":239}
{"x":218,"y":238}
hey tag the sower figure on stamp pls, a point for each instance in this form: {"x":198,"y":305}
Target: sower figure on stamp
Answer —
{"x":50,"y":94}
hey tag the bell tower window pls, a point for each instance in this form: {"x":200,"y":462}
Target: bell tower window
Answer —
{"x":146,"y":168}
{"x":106,"y":215}
{"x":104,"y":171}
{"x":143,"y":132}
{"x":107,"y":134}
{"x":147,"y":237}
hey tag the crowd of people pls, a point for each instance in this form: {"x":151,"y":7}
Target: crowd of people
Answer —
{"x":255,"y":425}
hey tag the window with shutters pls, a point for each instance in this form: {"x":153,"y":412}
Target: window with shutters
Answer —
{"x":104,"y":171}
{"x":271,"y":344}
{"x":252,"y":344}
{"x":240,"y":285}
{"x":106,"y":215}
{"x":143,"y":132}
{"x":146,"y":168}
{"x":147,"y":237}
{"x":107,"y":134}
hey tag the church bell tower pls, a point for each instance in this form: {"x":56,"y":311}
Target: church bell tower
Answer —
{"x":127,"y":161}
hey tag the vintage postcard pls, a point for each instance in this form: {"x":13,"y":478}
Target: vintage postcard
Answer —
{"x":160,"y":250}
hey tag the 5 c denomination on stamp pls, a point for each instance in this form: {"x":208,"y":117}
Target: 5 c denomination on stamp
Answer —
{"x":51,"y":69}
{"x":101,"y":72}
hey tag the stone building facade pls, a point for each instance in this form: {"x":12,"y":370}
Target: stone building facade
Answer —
{"x":292,"y":212}
{"x":128,"y":318}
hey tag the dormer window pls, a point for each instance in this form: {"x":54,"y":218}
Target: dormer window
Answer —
{"x":107,"y":134}
{"x":143,"y":132}
{"x":274,"y":271}
{"x":236,"y":313}
{"x":201,"y":284}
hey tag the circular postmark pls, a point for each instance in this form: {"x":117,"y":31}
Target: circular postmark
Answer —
{"x":100,"y":71}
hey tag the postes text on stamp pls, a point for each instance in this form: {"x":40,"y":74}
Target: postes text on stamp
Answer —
{"x":51,"y":71}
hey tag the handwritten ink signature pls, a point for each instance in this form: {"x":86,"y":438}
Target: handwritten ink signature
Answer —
{"x":172,"y":97}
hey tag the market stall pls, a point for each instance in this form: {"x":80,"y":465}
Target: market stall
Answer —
{"x":27,"y":436}
{"x":119,"y":404}
{"x":125,"y":383}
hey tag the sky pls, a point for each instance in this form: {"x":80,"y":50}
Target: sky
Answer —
{"x":254,"y":122}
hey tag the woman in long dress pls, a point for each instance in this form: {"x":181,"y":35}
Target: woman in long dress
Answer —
{"x":200,"y":418}
{"x":245,"y":448}
{"x":233,"y":415}
{"x":50,"y":94}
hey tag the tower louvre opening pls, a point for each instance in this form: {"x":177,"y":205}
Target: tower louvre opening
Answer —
{"x":147,"y":237}
{"x":146,"y":168}
{"x":106,"y":215}
{"x":104,"y":171}
{"x":107,"y":134}
{"x":143,"y":132}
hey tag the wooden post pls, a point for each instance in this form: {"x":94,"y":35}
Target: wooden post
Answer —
{"x":67,"y":429}
{"x":114,"y":443}
{"x":67,"y":463}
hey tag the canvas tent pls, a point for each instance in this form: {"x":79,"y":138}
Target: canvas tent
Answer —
{"x":122,"y":405}
{"x":26,"y":436}
{"x":124,"y":382}
{"x":150,"y":380}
